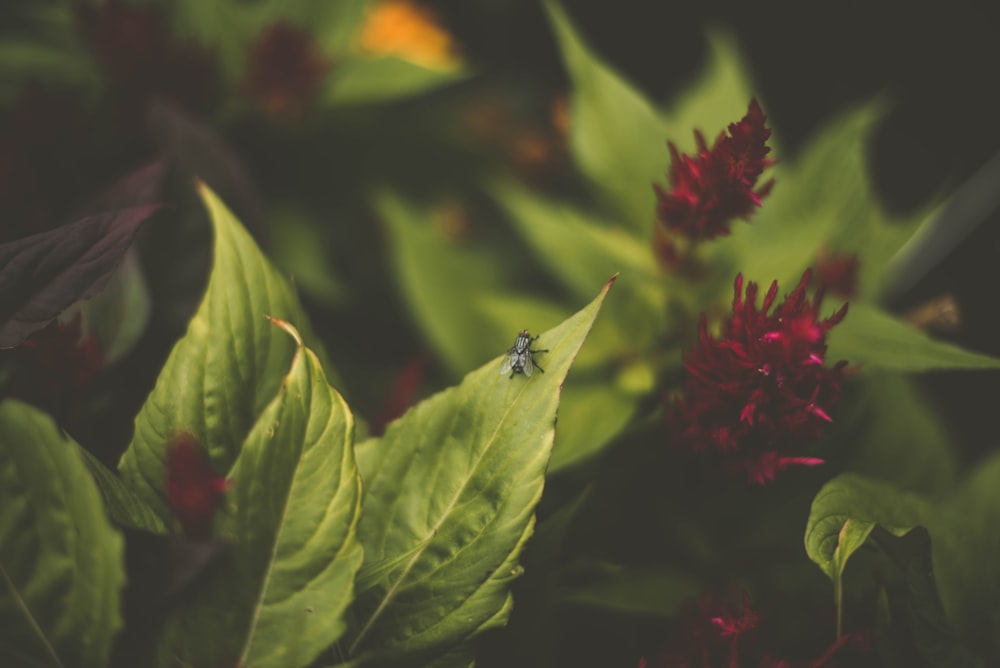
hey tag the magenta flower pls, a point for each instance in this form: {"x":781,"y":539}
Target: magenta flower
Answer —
{"x":725,"y":631}
{"x":709,"y":634}
{"x":194,"y":491}
{"x":710,"y":189}
{"x":837,"y":273}
{"x":761,"y":392}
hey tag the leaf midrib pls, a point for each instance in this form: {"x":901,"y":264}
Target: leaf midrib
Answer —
{"x":23,"y":606}
{"x":426,"y":541}
{"x":265,"y":582}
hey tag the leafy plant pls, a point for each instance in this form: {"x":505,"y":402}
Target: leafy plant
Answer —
{"x":275,"y":425}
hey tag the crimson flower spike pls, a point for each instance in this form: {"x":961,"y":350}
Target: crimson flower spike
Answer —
{"x":757,"y":395}
{"x":714,"y":186}
{"x":194,"y":491}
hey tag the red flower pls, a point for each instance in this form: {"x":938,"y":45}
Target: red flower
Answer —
{"x":286,"y":69}
{"x":127,"y":41}
{"x":402,"y":393}
{"x":758,"y":394}
{"x":709,"y":633}
{"x":710,"y":189}
{"x":59,"y":364}
{"x":194,"y":491}
{"x":140,"y":59}
{"x":838,"y":273}
{"x":724,"y":632}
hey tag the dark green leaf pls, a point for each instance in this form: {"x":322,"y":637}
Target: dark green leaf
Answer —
{"x":450,"y":492}
{"x":631,"y":590}
{"x":962,"y":531}
{"x":591,"y":413}
{"x":846,"y":510}
{"x":897,"y":435}
{"x":968,"y":570}
{"x":931,"y":632}
{"x":427,"y":264}
{"x":719,"y":96}
{"x":576,"y":247}
{"x":872,"y":338}
{"x":124,"y":505}
{"x":299,"y":245}
{"x":615,"y":134}
{"x":61,"y":561}
{"x":822,"y":199}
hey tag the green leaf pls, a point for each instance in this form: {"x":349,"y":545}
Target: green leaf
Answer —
{"x":58,"y":65}
{"x":931,"y":632}
{"x":452,"y":486}
{"x":874,"y":339}
{"x":618,"y":137}
{"x":631,"y":590}
{"x":719,"y":97}
{"x":300,"y":246}
{"x":372,"y":80}
{"x":968,"y":572}
{"x":226,"y":369}
{"x":427,"y":263}
{"x":823,"y":199}
{"x":40,"y":41}
{"x":897,"y":435}
{"x":846,"y":510}
{"x":615,"y":133}
{"x":281,"y":595}
{"x":593,"y":408}
{"x":843,"y":515}
{"x":123,"y":504}
{"x":576,"y":248}
{"x":119,"y":313}
{"x":61,"y":561}
{"x":962,"y":530}
{"x":591,"y":413}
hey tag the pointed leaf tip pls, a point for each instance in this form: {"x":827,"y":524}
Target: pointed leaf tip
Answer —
{"x":450,"y":494}
{"x":288,"y":327}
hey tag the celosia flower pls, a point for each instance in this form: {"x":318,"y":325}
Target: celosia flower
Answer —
{"x":194,"y":491}
{"x":710,"y":189}
{"x":761,"y":392}
{"x":402,"y":394}
{"x":127,"y":41}
{"x":285,"y":71}
{"x":727,"y":632}
{"x":409,"y":31}
{"x":709,"y":634}
{"x":59,"y":364}
{"x":837,"y":273}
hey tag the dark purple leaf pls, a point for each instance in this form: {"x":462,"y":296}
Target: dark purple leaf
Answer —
{"x":139,"y":187}
{"x":197,"y":149}
{"x":42,"y":275}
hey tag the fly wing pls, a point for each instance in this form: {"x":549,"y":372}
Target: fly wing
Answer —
{"x":505,"y":365}
{"x":527,"y":365}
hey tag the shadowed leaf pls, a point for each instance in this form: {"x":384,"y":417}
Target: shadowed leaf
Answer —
{"x":61,"y":562}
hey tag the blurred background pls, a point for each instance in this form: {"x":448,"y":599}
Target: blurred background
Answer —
{"x":295,"y":112}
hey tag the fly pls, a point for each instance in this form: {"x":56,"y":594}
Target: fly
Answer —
{"x":519,"y":357}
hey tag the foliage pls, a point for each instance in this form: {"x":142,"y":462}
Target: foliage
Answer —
{"x":255,"y":409}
